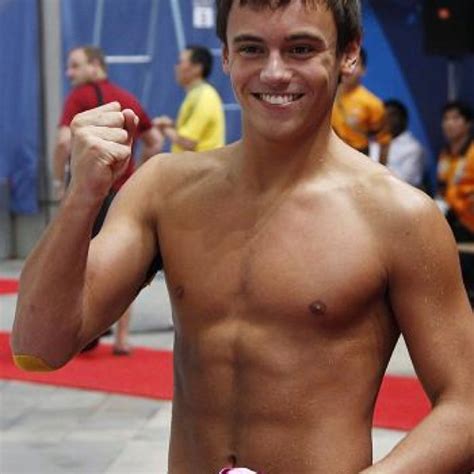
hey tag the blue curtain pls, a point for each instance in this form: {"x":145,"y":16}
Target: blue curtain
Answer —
{"x":19,"y":103}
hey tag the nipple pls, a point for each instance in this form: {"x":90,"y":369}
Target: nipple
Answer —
{"x":318,"y":308}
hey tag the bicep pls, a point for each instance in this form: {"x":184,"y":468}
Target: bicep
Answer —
{"x":430,"y":304}
{"x":119,"y":259}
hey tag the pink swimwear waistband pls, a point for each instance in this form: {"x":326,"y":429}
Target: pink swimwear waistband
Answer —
{"x":238,"y":470}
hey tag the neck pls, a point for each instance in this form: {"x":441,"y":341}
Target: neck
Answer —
{"x":457,"y":144}
{"x":101,"y":75}
{"x":345,"y":88}
{"x":397,"y":133}
{"x":264,"y":164}
{"x":194,"y":83}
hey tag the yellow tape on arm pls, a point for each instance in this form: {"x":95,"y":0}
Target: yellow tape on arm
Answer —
{"x":31,"y":363}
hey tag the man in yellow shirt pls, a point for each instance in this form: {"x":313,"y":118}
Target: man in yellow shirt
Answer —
{"x":201,"y":123}
{"x":358,"y":114}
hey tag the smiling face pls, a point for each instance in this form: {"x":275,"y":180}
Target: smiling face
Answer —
{"x":284,"y":68}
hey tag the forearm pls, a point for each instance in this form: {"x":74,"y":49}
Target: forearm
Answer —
{"x":152,"y":141}
{"x":61,"y":154}
{"x":442,"y":444}
{"x":148,"y":152}
{"x":49,"y":316}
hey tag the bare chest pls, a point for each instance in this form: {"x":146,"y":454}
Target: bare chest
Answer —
{"x":294,"y":261}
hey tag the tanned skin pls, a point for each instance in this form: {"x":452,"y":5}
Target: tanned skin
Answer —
{"x":293,"y":264}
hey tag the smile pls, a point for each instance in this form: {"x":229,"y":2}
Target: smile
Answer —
{"x":278,"y":99}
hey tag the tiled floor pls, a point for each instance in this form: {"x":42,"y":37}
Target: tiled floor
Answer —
{"x":51,"y":430}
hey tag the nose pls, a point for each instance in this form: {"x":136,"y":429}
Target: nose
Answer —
{"x":275,"y":71}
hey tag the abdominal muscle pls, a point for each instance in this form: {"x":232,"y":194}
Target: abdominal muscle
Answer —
{"x":290,"y":403}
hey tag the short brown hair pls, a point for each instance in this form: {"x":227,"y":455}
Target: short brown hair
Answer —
{"x":346,"y":16}
{"x":94,"y":53}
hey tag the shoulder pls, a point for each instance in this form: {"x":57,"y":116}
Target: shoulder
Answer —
{"x":386,"y":203}
{"x":112,"y":86}
{"x":205,"y":94}
{"x":369,"y":97}
{"x":129,"y":101}
{"x":403,"y":219}
{"x":125,"y":97}
{"x":83,"y":90}
{"x":80,"y":98}
{"x":172,"y":173}
{"x":211,"y":91}
{"x":80,"y":95}
{"x":470,"y":150}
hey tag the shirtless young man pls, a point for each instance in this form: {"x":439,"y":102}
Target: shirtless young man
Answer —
{"x":292,"y":262}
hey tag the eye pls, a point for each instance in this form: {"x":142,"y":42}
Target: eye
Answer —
{"x":301,"y":50}
{"x":250,"y":50}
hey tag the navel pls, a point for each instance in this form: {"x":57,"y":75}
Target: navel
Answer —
{"x":318,"y":308}
{"x":232,"y":460}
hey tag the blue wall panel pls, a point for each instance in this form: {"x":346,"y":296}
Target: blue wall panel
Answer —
{"x":19,"y":103}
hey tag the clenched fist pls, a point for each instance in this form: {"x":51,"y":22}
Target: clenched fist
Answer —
{"x":102,"y":140}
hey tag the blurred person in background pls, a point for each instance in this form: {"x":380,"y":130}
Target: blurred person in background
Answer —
{"x":405,"y":154}
{"x":87,"y":72}
{"x":358,"y":114}
{"x":201,"y":121}
{"x":456,"y":181}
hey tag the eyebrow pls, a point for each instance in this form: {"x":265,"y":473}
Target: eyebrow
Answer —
{"x":293,"y":37}
{"x":305,"y":36}
{"x":243,"y":38}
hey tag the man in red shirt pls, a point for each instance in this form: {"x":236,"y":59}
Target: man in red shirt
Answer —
{"x":87,"y":72}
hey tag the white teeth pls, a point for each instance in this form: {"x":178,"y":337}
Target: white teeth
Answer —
{"x":278,"y":99}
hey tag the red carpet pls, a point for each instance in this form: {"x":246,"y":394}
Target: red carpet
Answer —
{"x":8,"y":286}
{"x":148,"y":373}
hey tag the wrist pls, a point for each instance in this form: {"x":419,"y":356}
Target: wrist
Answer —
{"x":83,"y":198}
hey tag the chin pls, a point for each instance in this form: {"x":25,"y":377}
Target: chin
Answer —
{"x":276,"y":132}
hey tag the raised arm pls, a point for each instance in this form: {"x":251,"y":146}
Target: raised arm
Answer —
{"x":72,"y":289}
{"x":433,"y":313}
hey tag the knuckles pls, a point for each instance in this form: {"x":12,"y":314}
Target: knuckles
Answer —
{"x":82,"y":135}
{"x":112,"y":118}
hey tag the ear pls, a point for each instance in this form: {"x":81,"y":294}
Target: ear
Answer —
{"x":225,"y":59}
{"x":349,"y":58}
